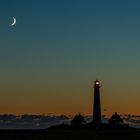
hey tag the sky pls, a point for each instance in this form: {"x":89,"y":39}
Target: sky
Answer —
{"x":51,"y":57}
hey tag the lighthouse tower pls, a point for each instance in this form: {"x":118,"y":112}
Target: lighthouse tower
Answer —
{"x":96,"y":104}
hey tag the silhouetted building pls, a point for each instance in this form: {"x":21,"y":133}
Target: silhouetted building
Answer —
{"x":115,"y":119}
{"x":78,"y":120}
{"x":96,"y":104}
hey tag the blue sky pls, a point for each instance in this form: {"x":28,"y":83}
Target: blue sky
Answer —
{"x":62,"y":46}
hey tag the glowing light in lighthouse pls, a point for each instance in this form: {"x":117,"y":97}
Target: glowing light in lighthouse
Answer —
{"x":97,"y":83}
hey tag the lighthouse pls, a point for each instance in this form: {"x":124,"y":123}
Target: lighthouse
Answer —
{"x":96,"y":104}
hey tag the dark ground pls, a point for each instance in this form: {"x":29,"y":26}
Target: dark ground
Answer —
{"x":121,"y":134}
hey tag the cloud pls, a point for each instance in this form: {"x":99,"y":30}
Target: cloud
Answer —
{"x":30,"y":121}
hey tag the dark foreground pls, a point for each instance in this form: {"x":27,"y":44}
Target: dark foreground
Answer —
{"x":120,"y":134}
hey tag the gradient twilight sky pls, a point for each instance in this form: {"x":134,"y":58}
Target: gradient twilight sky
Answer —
{"x":49,"y":60}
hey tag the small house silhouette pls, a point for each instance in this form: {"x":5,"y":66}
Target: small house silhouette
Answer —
{"x":115,"y":119}
{"x":78,"y":120}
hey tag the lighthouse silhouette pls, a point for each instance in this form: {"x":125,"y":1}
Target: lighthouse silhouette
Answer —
{"x":96,"y":104}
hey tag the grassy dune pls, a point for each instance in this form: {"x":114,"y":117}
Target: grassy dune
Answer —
{"x":122,"y":134}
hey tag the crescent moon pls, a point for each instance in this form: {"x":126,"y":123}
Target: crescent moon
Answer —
{"x":14,"y":21}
